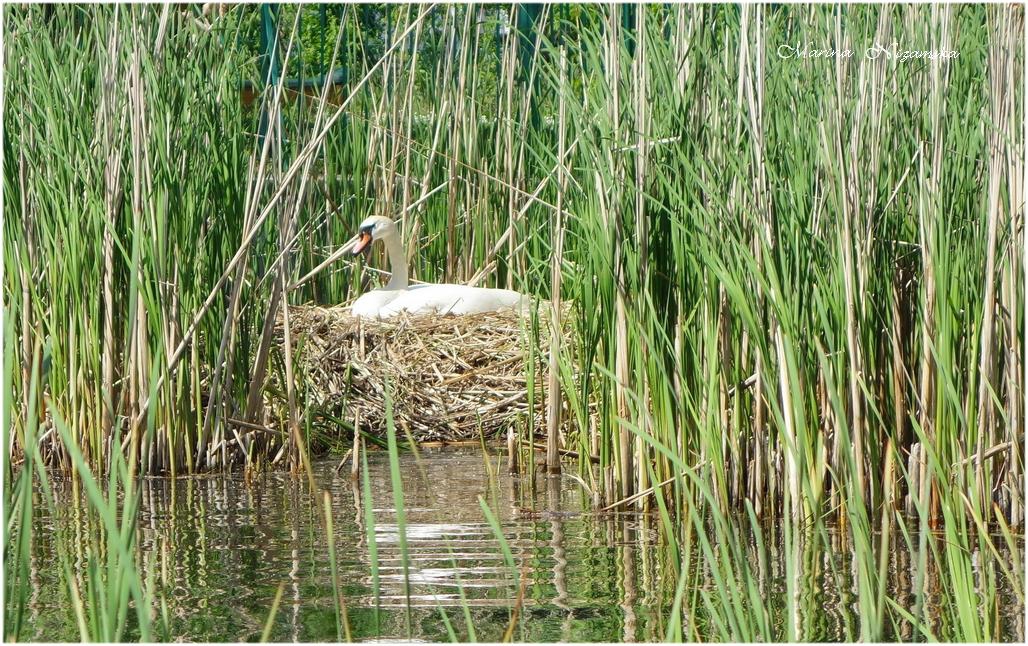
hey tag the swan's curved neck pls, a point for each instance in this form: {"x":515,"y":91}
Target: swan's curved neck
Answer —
{"x":397,"y":263}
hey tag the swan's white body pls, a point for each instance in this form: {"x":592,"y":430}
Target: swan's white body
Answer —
{"x":450,"y":299}
{"x":398,"y":296}
{"x":369,"y":305}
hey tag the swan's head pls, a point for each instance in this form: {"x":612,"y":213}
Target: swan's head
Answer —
{"x":376,"y":227}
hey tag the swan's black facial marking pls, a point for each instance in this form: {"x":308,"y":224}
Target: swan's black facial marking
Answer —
{"x":364,"y":241}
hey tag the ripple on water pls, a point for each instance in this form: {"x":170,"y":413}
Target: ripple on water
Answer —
{"x":219,"y":549}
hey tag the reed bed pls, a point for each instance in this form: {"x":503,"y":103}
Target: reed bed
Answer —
{"x":797,"y":283}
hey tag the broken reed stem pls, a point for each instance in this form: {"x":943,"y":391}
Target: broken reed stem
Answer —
{"x":259,"y":370}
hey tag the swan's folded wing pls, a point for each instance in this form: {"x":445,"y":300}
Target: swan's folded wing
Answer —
{"x":451,"y":299}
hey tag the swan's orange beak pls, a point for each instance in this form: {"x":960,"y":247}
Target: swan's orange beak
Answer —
{"x":363,"y":243}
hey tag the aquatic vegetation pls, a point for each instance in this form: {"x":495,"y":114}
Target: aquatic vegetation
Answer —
{"x":796,"y":284}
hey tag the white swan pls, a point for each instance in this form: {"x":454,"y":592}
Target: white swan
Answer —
{"x":398,"y":296}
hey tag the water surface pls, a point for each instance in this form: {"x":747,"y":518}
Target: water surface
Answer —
{"x":218,"y":549}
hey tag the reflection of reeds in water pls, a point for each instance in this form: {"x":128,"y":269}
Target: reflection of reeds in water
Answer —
{"x":216,"y":545}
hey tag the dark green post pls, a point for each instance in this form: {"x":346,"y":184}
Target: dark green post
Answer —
{"x":270,"y":66}
{"x":628,"y":25}
{"x":528,"y":17}
{"x":323,"y":23}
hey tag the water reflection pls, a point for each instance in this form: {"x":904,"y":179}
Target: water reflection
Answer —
{"x":218,"y":548}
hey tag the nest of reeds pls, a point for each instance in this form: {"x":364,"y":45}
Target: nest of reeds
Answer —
{"x":448,"y":377}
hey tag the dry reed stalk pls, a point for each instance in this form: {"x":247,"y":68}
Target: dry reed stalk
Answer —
{"x":929,"y":217}
{"x":296,"y":445}
{"x":399,"y":105}
{"x":138,"y":372}
{"x":926,"y":392}
{"x":409,"y":110}
{"x":453,"y":139}
{"x":1013,"y":288}
{"x":377,"y":180}
{"x":464,"y":116}
{"x":355,"y":454}
{"x":26,"y":339}
{"x":513,"y":463}
{"x":112,"y":182}
{"x":505,"y":115}
{"x":751,"y":89}
{"x":849,"y":203}
{"x":766,"y":490}
{"x":898,"y":374}
{"x":412,"y":233}
{"x":999,"y":66}
{"x":553,"y":401}
{"x":642,"y":235}
{"x":152,"y":445}
{"x":612,"y":220}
